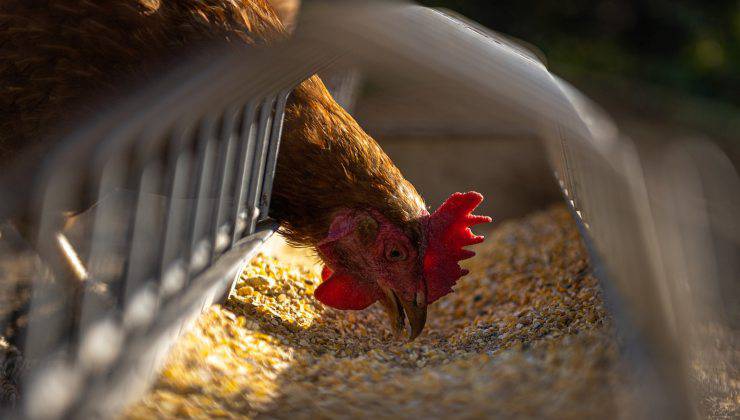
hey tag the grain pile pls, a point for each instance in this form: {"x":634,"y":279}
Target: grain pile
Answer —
{"x":525,"y":334}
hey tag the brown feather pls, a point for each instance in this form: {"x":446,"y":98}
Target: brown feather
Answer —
{"x":328,"y":163}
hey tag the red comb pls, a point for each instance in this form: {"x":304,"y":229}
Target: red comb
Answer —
{"x":448,"y":231}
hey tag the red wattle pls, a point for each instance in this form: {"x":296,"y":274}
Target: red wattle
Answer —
{"x":343,"y":291}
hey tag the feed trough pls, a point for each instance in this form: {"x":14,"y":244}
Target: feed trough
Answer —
{"x":171,"y":191}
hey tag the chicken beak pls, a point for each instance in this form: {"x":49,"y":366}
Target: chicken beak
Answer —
{"x":398,"y":309}
{"x":416,"y":312}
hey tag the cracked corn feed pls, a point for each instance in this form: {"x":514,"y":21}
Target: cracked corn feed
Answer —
{"x":525,"y":334}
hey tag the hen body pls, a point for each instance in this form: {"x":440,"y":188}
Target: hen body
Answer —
{"x":61,"y":59}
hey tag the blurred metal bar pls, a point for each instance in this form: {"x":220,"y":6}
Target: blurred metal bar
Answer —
{"x":223,"y":222}
{"x":201,"y":246}
{"x":173,"y":267}
{"x":260,"y":156}
{"x":275,"y":132}
{"x":246,"y":154}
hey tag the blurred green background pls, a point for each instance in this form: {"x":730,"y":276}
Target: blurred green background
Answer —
{"x":691,"y":46}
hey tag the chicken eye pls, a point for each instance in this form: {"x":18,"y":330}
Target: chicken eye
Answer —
{"x":395,"y":253}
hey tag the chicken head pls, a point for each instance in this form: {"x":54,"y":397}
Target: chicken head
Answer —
{"x":370,"y":259}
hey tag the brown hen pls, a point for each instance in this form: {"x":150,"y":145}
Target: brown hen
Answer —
{"x":334,"y":190}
